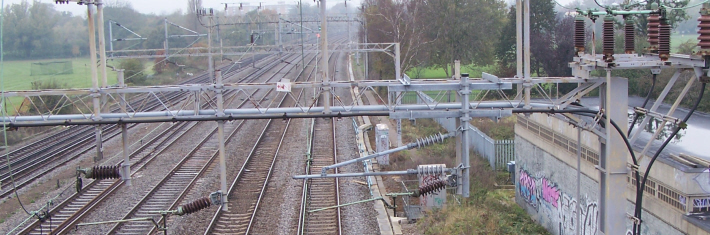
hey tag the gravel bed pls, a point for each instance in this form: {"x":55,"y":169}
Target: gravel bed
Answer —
{"x":279,"y":210}
{"x":126,"y":197}
{"x":66,"y":176}
{"x":359,"y":218}
{"x":237,"y":150}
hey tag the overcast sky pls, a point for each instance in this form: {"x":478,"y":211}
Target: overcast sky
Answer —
{"x":168,"y":6}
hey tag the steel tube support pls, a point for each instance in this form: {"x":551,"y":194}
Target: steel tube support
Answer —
{"x":465,"y":158}
{"x":102,"y":46}
{"x":167,"y":47}
{"x":519,"y":38}
{"x":420,"y":143}
{"x":579,"y":174}
{"x":303,"y":60}
{"x":365,"y":174}
{"x":527,"y":85}
{"x":613,"y":161}
{"x":324,"y":55}
{"x":94,"y":80}
{"x":210,"y":62}
{"x":126,"y":165}
{"x":398,"y":74}
{"x":457,"y":76}
{"x":670,"y":113}
{"x":655,"y":106}
{"x":220,"y":136}
{"x":110,"y":35}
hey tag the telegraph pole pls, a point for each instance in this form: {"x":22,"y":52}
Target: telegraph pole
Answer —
{"x":324,"y":56}
{"x":94,"y":80}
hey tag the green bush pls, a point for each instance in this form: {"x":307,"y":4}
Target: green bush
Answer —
{"x":134,"y":71}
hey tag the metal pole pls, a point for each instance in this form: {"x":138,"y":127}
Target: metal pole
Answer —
{"x":324,"y":58}
{"x":221,"y":45}
{"x":197,"y":102}
{"x":94,"y":80}
{"x":465,"y":91}
{"x":220,"y":136}
{"x":126,"y":165}
{"x":303,"y":60}
{"x":527,"y":84}
{"x":579,"y":174}
{"x":457,"y":76}
{"x":102,"y":46}
{"x":110,"y":35}
{"x":367,"y":56}
{"x":519,"y":42}
{"x":613,"y":162}
{"x":519,"y":37}
{"x":210,"y":63}
{"x":398,"y":74}
{"x":167,"y":48}
{"x":278,"y":33}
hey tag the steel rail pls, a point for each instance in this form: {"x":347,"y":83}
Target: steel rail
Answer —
{"x":243,"y":176}
{"x":324,"y":222}
{"x":109,"y":189}
{"x":36,"y":162}
{"x":185,"y":188}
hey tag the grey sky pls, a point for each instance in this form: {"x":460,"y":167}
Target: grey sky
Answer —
{"x":168,"y":6}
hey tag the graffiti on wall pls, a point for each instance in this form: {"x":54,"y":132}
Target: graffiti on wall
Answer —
{"x":703,"y":180}
{"x":545,"y":197}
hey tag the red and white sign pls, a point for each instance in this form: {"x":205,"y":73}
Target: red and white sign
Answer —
{"x":284,"y":85}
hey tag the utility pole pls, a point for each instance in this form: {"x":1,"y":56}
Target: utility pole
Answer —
{"x":210,"y":62}
{"x":167,"y":48}
{"x":303,"y":60}
{"x":102,"y":47}
{"x":126,"y":165}
{"x":324,"y":56}
{"x":96,"y":96}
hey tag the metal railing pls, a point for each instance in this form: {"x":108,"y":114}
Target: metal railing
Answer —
{"x":497,"y":152}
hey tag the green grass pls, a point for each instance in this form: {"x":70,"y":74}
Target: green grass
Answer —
{"x":677,"y":39}
{"x":427,"y":73}
{"x":17,"y":74}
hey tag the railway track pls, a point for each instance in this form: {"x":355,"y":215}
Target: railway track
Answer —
{"x":247,"y":190}
{"x":31,"y":161}
{"x":72,"y":210}
{"x":175,"y":186}
{"x":321,"y":193}
{"x":66,"y":217}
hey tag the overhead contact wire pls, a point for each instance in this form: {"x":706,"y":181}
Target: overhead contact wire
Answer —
{"x":3,"y":111}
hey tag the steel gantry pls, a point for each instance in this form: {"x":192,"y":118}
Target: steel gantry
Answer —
{"x":472,"y":99}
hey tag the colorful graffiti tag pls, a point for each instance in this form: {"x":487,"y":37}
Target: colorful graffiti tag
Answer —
{"x":545,"y":197}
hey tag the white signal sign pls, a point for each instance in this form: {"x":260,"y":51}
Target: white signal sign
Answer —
{"x":284,"y":85}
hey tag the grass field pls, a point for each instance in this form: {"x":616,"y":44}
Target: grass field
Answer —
{"x":17,"y":74}
{"x":473,"y":71}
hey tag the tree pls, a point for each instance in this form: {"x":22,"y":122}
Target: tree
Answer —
{"x":48,"y":103}
{"x":398,"y":21}
{"x":466,"y":30}
{"x":29,"y":28}
{"x":542,"y":32}
{"x":505,"y":49}
{"x":674,"y":17}
{"x":554,"y":49}
{"x":133,"y":71}
{"x":192,"y":7}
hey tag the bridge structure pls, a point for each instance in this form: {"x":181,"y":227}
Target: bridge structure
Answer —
{"x":91,"y":105}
